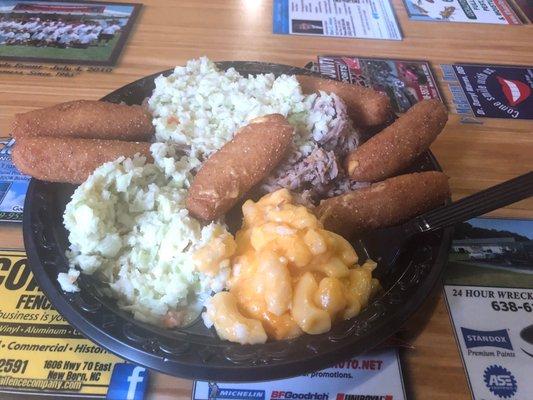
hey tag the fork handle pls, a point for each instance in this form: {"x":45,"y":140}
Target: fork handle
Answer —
{"x":490,"y":199}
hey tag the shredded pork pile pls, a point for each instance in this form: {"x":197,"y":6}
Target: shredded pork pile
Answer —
{"x":320,"y":174}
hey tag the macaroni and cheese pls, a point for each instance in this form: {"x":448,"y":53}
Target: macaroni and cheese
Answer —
{"x":289,"y":275}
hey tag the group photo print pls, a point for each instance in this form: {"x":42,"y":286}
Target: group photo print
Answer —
{"x":69,"y":32}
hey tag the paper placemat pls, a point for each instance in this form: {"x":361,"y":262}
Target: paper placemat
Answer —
{"x":13,"y":185}
{"x":473,"y":11}
{"x":363,"y":19}
{"x":491,"y":91}
{"x":42,"y":354}
{"x":489,"y":293}
{"x":375,"y":375}
{"x":406,"y":82}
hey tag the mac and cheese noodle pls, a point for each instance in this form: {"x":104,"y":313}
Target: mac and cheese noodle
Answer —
{"x":359,"y":288}
{"x":277,"y":289}
{"x":305,"y":312}
{"x":215,"y":255}
{"x":289,"y":275}
{"x":230,"y":324}
{"x":330,"y":296}
{"x":347,"y":252}
{"x":315,"y":242}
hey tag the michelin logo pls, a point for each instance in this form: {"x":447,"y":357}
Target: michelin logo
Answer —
{"x":216,"y":392}
{"x":474,"y":338}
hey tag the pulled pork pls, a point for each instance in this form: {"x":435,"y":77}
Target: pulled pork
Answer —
{"x":320,"y":174}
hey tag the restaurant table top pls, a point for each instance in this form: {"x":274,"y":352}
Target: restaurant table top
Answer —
{"x":474,"y":156}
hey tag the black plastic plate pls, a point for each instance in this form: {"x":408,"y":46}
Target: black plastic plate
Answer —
{"x":196,"y":352}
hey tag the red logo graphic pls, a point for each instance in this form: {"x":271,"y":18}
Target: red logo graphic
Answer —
{"x":344,"y":396}
{"x":515,"y":91}
{"x":352,"y":63}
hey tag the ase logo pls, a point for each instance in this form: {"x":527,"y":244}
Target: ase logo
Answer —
{"x":500,"y":381}
{"x":474,"y":338}
{"x":343,"y":396}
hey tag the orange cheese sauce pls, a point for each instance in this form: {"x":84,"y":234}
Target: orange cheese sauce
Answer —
{"x":278,"y":244}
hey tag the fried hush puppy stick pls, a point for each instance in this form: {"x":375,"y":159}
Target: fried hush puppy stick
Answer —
{"x":384,"y":203}
{"x":70,"y":160}
{"x":239,"y":165}
{"x":395,"y":148}
{"x":366,"y":106}
{"x":86,"y":119}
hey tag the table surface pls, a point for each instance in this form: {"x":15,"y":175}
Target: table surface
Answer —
{"x":168,"y":33}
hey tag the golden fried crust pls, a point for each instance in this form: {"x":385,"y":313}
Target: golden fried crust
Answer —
{"x":86,"y":119}
{"x":70,"y":160}
{"x":240,"y":164}
{"x":395,"y":148}
{"x":384,"y":203}
{"x":366,"y":107}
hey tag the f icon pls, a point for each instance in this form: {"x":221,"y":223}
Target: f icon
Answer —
{"x":128,"y":382}
{"x":134,"y":379}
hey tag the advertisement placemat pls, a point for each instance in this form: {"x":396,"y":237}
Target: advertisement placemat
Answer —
{"x":473,"y":11}
{"x":13,"y":185}
{"x":363,"y":19}
{"x":41,"y":353}
{"x":489,"y":293}
{"x":374,"y":375}
{"x":80,"y":32}
{"x":491,"y":91}
{"x":526,"y":7}
{"x":406,"y":82}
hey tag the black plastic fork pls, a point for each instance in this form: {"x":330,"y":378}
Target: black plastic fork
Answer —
{"x":395,"y":237}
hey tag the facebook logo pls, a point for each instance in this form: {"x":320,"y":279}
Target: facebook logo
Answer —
{"x":128,"y":382}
